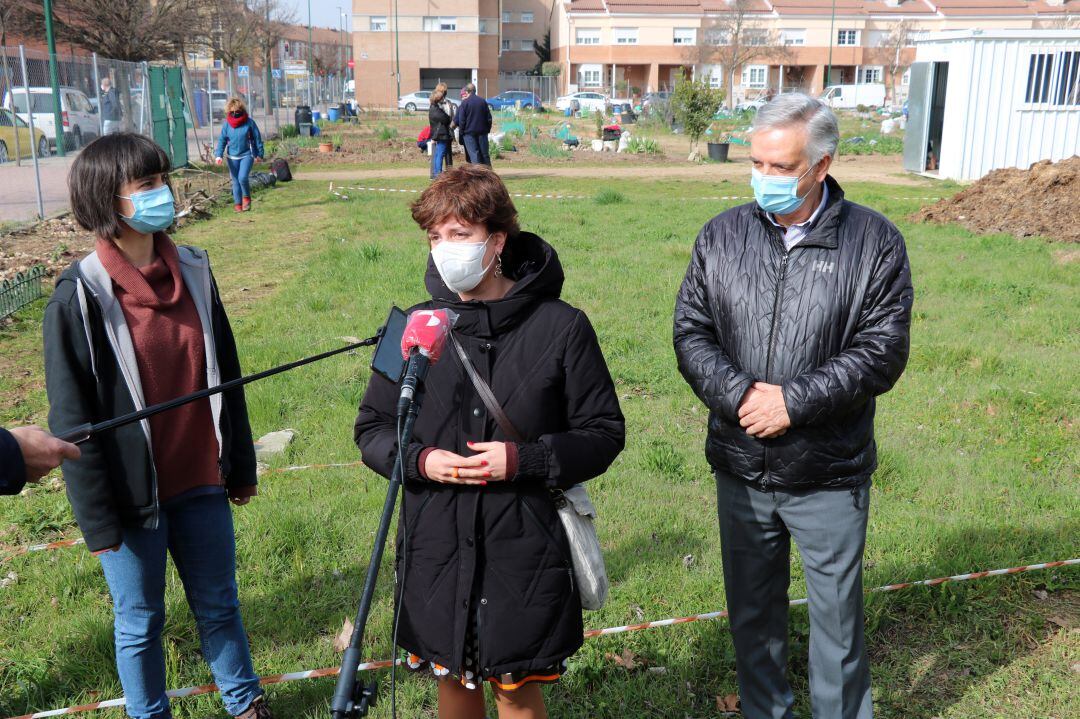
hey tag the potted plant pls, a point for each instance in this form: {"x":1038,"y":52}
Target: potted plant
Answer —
{"x":719,"y":144}
{"x":598,"y":142}
{"x":326,"y":145}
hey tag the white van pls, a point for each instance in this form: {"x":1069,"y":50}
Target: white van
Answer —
{"x":79,"y":116}
{"x":851,"y":96}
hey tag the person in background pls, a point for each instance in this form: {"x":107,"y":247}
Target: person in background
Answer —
{"x":440,"y":115}
{"x":241,"y":142}
{"x":111,"y":110}
{"x":793,"y":317}
{"x":29,"y":453}
{"x":489,"y":594}
{"x":423,"y":138}
{"x":137,"y":322}
{"x":474,"y":119}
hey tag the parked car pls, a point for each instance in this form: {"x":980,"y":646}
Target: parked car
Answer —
{"x":218,"y":100}
{"x":586,"y":99}
{"x":419,"y":100}
{"x":79,"y":116}
{"x":749,"y":105}
{"x":511,"y":98}
{"x":10,"y":124}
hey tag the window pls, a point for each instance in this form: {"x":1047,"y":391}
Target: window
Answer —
{"x":527,"y":18}
{"x":847,"y":37}
{"x":870,"y":73}
{"x":526,"y":45}
{"x":590,"y":75}
{"x":588,"y":36}
{"x":755,"y":76}
{"x":507,"y":17}
{"x":793,"y":37}
{"x":487,"y":27}
{"x":440,"y":24}
{"x":505,"y":45}
{"x":714,"y":74}
{"x":685,"y":36}
{"x":715,"y":36}
{"x":378,"y":23}
{"x":1054,"y":78}
{"x":757,"y":37}
{"x":878,"y":38}
{"x":906,"y":79}
{"x":625,"y":35}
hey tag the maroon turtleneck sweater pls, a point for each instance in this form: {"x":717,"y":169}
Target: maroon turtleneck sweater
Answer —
{"x":169,"y":349}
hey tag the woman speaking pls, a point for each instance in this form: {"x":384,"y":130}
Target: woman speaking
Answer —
{"x":489,"y":593}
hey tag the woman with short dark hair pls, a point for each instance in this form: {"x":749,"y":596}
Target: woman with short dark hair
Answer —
{"x":241,"y":142}
{"x":487,"y":584}
{"x":137,"y":322}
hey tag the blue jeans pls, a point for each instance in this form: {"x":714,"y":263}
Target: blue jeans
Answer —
{"x":438,"y":157}
{"x":239,"y":171}
{"x":198,"y":533}
{"x":477,"y":147}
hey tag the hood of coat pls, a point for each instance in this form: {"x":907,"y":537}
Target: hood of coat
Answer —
{"x":534,"y":266}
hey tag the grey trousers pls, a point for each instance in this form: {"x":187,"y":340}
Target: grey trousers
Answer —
{"x":829,"y":528}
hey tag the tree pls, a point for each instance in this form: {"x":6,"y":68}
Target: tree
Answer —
{"x":734,"y":38}
{"x":231,"y":31}
{"x":890,"y":52}
{"x":695,"y":103}
{"x":132,"y":30}
{"x":542,"y":48}
{"x":16,"y":20}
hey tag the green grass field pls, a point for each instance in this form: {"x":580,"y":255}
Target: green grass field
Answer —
{"x":978,"y":447}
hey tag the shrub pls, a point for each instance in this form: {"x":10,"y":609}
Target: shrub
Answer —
{"x":608,"y":196}
{"x":290,"y":130}
{"x":495,"y":151}
{"x":387,"y":133}
{"x":643,"y":146}
{"x":506,"y":143}
{"x":548,"y":149}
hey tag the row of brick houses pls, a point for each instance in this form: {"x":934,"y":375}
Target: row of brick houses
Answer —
{"x":638,"y":46}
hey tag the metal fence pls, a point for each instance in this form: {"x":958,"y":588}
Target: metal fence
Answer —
{"x":546,"y":88}
{"x":21,"y":290}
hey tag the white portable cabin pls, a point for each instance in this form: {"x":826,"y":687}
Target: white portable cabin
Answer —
{"x":983,"y":100}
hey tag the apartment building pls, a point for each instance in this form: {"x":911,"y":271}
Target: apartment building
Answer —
{"x":451,"y":41}
{"x":627,"y":46}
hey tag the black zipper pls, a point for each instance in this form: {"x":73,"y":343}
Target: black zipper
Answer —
{"x":532,"y":513}
{"x":778,"y":294}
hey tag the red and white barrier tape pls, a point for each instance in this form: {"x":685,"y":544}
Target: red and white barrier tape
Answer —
{"x":62,"y":544}
{"x":333,"y":671}
{"x":334,"y":191}
{"x":298,"y":467}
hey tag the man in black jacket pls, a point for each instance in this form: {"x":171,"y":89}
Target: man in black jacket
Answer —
{"x":111,"y":110}
{"x":473,"y":117}
{"x":29,"y":453}
{"x":793,"y":316}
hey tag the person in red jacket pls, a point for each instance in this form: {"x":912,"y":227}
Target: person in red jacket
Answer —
{"x":135,"y":323}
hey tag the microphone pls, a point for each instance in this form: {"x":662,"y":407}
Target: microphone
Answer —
{"x":422,"y":344}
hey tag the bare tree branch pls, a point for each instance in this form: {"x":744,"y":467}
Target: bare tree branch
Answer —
{"x":890,"y":52}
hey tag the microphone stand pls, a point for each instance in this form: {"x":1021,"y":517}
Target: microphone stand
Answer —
{"x":84,"y":432}
{"x":352,"y":699}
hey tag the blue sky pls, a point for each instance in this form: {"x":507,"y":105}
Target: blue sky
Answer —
{"x":324,"y":13}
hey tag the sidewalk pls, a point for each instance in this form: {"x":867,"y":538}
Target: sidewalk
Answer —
{"x":18,"y":199}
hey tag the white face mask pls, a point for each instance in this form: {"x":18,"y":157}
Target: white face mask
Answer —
{"x":461,"y":264}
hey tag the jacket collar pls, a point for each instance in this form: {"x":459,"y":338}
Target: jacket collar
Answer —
{"x":826,"y":231}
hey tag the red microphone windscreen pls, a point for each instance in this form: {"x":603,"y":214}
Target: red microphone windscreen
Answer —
{"x":427,"y":330}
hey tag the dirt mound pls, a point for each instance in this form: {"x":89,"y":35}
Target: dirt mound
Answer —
{"x":1042,"y":201}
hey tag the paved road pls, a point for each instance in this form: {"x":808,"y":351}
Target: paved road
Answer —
{"x":18,"y":192}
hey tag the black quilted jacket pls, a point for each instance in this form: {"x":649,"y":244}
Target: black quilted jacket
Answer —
{"x":827,"y":320}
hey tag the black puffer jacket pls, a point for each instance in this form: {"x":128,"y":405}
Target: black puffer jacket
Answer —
{"x":498,"y":554}
{"x":828,"y":321}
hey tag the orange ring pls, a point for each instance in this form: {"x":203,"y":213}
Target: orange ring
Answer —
{"x":453,"y":473}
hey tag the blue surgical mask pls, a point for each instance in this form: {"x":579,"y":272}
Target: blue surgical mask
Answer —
{"x":777,"y":194}
{"x":154,"y":210}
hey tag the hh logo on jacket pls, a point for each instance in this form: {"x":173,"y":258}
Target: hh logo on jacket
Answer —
{"x":823,"y":266}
